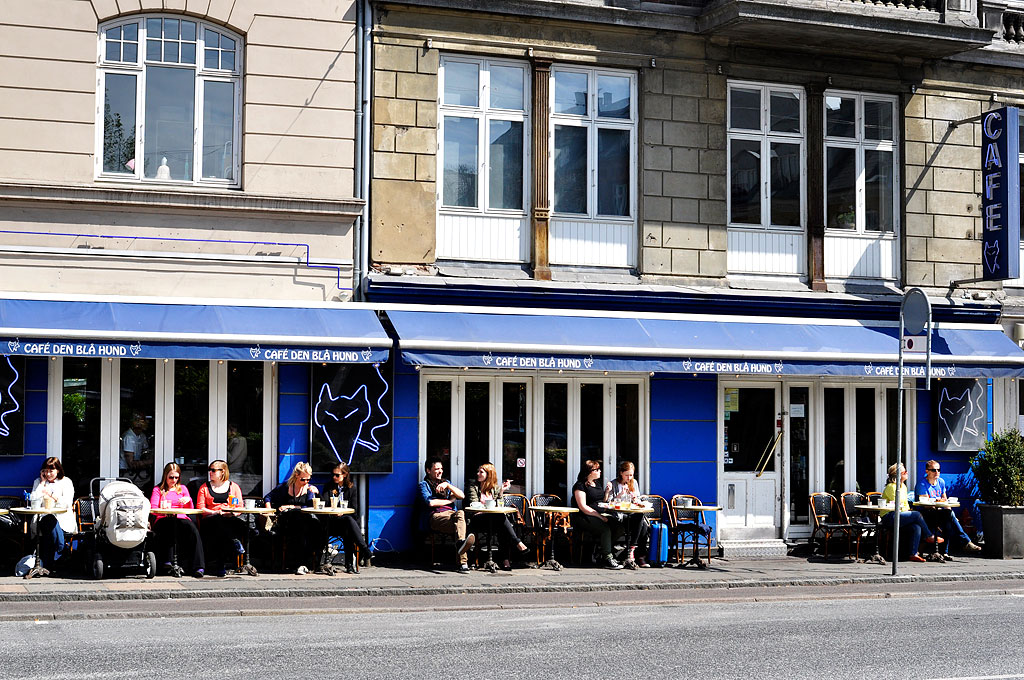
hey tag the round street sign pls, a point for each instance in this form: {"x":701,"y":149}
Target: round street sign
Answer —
{"x":916,"y":310}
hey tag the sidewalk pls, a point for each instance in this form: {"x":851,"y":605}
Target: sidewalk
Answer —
{"x":409,"y":580}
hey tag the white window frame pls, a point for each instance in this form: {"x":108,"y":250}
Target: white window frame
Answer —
{"x":860,"y":145}
{"x":484,"y":114}
{"x":594,"y":123}
{"x":766,"y":137}
{"x":203,"y":75}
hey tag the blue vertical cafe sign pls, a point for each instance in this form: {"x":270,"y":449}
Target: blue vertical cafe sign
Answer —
{"x":1000,"y":194}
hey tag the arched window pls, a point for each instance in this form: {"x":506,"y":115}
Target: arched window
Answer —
{"x":169,"y":101}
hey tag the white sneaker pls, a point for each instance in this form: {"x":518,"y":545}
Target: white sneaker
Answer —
{"x":301,"y":571}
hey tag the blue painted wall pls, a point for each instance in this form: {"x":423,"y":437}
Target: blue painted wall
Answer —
{"x":684,"y":421}
{"x":293,"y":418}
{"x":17,"y":472}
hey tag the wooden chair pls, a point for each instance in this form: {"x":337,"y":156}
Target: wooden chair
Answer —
{"x":828,"y":521}
{"x":690,"y":523}
{"x":861,"y":523}
{"x":548,"y":525}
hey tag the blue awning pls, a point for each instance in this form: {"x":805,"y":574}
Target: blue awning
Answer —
{"x":694,"y":344}
{"x":191,"y":331}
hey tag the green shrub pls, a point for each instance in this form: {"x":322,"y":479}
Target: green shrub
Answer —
{"x":999,"y":469}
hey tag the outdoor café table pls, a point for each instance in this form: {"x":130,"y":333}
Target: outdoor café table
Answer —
{"x":3,"y":511}
{"x":176,"y":570}
{"x":492,"y":515}
{"x":696,"y":560}
{"x":239,"y":510}
{"x":876,"y":557}
{"x":548,"y":548}
{"x":336,"y":512}
{"x":932,"y":507}
{"x":38,"y":569}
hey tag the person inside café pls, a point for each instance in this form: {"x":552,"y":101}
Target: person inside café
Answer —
{"x":437,"y":497}
{"x":943,"y":519}
{"x":484,"y":491}
{"x":136,"y":455}
{"x":301,"y":533}
{"x":344,"y":489}
{"x":222,"y":532}
{"x":52,"y":489}
{"x":586,"y":494}
{"x":911,"y":521}
{"x":624,"y":489}
{"x":176,"y":531}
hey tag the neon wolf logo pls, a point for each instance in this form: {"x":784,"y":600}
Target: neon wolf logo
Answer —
{"x":8,"y":402}
{"x":344,"y":418}
{"x":959,"y":415}
{"x":992,"y":256}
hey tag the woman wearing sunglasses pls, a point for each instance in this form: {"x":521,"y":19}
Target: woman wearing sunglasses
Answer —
{"x":344,"y":489}
{"x":933,"y":486}
{"x":301,"y":532}
{"x":171,"y":493}
{"x":222,"y":532}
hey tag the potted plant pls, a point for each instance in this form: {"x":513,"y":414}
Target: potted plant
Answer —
{"x":999,"y":471}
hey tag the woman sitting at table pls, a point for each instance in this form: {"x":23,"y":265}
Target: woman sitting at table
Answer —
{"x":301,"y":532}
{"x":222,"y":532}
{"x":911,"y":520}
{"x":587,"y":494}
{"x":52,"y":488}
{"x":484,"y":489}
{"x":172,"y":493}
{"x":342,"y":488}
{"x":625,"y":490}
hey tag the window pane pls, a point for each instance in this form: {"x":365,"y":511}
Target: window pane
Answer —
{"x":171,"y":52}
{"x":613,"y":97}
{"x":227,"y":61}
{"x":840,"y":117}
{"x":460,"y":162}
{"x":556,"y":426}
{"x":745,"y":109}
{"x":212,"y":60}
{"x":877,"y":120}
{"x":785,"y":112}
{"x":138,"y":430}
{"x":171,"y":29}
{"x":212,"y":38}
{"x":119,"y":123}
{"x":785,"y":186}
{"x":592,"y":425}
{"x":864,"y":422}
{"x":461,"y":84}
{"x":113,"y":51}
{"x":153,"y":28}
{"x":570,"y":159}
{"x":613,"y":172}
{"x":571,"y":93}
{"x":131,"y":53}
{"x":188,"y":30}
{"x":835,"y":441}
{"x":170,"y":97}
{"x":245,"y":426}
{"x":477,"y":429}
{"x":131,"y":32}
{"x":745,"y":181}
{"x":513,"y":435}
{"x":878,"y":181}
{"x":218,"y":127}
{"x":192,"y":418}
{"x":439,"y":421}
{"x":840,"y":182}
{"x":114,"y":33}
{"x":153,"y":50}
{"x":799,"y":454}
{"x":507,"y":87}
{"x":188,"y":53}
{"x":80,"y":422}
{"x":505,"y":140}
{"x":627,"y":427}
{"x":227,"y":43}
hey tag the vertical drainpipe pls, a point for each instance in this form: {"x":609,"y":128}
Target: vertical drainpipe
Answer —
{"x":358,"y":167}
{"x":364,"y":60}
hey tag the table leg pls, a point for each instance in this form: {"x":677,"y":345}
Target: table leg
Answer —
{"x":490,"y":565}
{"x":246,"y":562}
{"x":551,"y":561}
{"x":176,"y":570}
{"x":38,"y":569}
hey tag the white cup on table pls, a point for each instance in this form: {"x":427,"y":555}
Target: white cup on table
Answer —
{"x":250,"y":503}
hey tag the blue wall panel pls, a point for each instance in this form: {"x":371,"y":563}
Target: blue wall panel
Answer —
{"x":391,"y":529}
{"x":675,"y":396}
{"x":293,"y":412}
{"x":406,"y":434}
{"x":684,"y":437}
{"x":392,"y":502}
{"x":406,"y":397}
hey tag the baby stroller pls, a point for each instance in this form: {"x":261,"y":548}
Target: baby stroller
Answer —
{"x":120,"y":529}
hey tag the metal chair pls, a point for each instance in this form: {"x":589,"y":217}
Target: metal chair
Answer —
{"x":547,"y":524}
{"x":861,"y":524}
{"x":688,"y":523}
{"x":828,"y":521}
{"x":16,"y":530}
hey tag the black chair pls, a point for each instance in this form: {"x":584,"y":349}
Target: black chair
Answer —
{"x":828,"y":521}
{"x":862,"y":525}
{"x":12,"y":532}
{"x":549,"y":525}
{"x":688,"y":525}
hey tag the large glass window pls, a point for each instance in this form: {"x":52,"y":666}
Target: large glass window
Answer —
{"x":192,"y":418}
{"x":556,"y":439}
{"x":483,"y":134}
{"x":860,"y":162}
{"x":138,"y":420}
{"x":80,"y":421}
{"x":245,"y":425}
{"x":766,"y":156}
{"x":593,"y":143}
{"x":170,"y":95}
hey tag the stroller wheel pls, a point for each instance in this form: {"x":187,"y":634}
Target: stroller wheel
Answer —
{"x":97,"y":568}
{"x":150,"y":565}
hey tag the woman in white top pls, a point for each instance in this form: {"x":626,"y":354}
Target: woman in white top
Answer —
{"x":53,"y":489}
{"x":625,"y":490}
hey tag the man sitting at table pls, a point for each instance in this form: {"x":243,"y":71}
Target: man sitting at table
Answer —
{"x":933,"y":486}
{"x":437,"y":498}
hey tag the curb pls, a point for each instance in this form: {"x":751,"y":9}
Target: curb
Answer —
{"x":393,"y":591}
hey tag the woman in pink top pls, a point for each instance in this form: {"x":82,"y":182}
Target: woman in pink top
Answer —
{"x":171,"y":493}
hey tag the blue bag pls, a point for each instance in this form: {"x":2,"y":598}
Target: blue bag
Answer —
{"x":658,"y":554}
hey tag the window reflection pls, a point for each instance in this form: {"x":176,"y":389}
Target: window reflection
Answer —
{"x":506,"y":87}
{"x":592,"y":423}
{"x":745,"y":182}
{"x":119,"y":124}
{"x":461,"y":83}
{"x":627,"y":426}
{"x":80,"y":421}
{"x":840,"y":117}
{"x":613,"y":97}
{"x":218,"y":130}
{"x":506,"y":164}
{"x":244,"y":453}
{"x":785,"y":184}
{"x":745,"y":109}
{"x":477,"y":432}
{"x":439,"y":422}
{"x":613,"y":172}
{"x":170,"y":107}
{"x":556,"y":422}
{"x":460,"y":162}
{"x":570,"y":158}
{"x":513,"y":435}
{"x":192,"y":418}
{"x":136,"y":459}
{"x":878,"y":185}
{"x":571,"y":93}
{"x":841,"y":196}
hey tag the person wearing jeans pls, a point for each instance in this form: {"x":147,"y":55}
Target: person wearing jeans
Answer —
{"x":437,"y":497}
{"x":910,"y":520}
{"x":933,"y":486}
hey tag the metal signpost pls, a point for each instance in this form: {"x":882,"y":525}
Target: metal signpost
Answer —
{"x":915,"y":318}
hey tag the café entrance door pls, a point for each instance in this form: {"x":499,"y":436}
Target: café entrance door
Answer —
{"x":752,"y":441}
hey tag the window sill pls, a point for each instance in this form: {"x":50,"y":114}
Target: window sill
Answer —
{"x":185,"y":198}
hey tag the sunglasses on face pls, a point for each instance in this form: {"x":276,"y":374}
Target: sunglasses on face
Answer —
{"x":339,"y":474}
{"x":932,"y":469}
{"x":303,"y":479}
{"x":215,"y":469}
{"x":173,"y":476}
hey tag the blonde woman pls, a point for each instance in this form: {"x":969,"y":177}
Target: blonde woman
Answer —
{"x":301,"y":532}
{"x":222,"y":532}
{"x":170,"y":490}
{"x":486,"y":488}
{"x":909,"y":519}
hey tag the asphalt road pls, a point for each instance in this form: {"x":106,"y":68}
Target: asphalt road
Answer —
{"x":948,"y":636}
